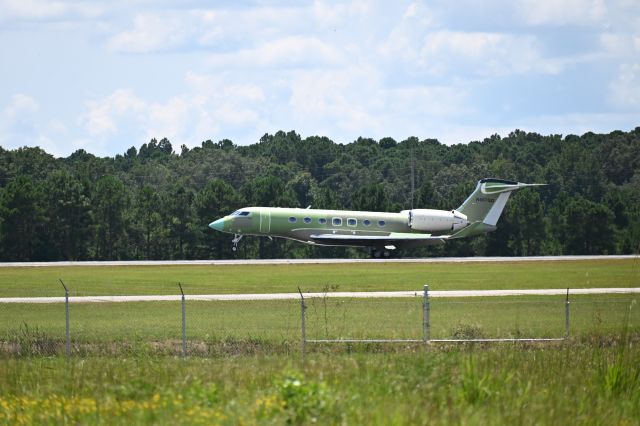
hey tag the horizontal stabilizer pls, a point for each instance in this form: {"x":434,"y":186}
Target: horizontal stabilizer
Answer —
{"x":487,"y":201}
{"x":475,"y":228}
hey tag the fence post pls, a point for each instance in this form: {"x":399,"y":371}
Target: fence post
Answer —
{"x":566,"y":316}
{"x":303,"y":342}
{"x":425,"y":315}
{"x":66,"y":310}
{"x":184,"y":324}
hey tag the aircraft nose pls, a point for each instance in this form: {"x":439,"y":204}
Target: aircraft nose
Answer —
{"x":218,"y":225}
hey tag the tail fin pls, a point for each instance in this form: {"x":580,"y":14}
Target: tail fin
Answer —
{"x":486,"y":203}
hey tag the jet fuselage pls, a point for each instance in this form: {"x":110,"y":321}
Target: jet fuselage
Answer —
{"x":299,"y":224}
{"x":381,"y":231}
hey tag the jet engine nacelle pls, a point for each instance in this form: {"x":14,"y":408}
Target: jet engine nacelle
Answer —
{"x":436,"y":220}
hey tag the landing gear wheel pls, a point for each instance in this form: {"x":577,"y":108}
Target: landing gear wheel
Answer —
{"x":386,"y":254}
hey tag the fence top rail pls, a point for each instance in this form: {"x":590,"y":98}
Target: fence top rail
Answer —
{"x":364,"y":341}
{"x":311,"y":295}
{"x":527,"y":339}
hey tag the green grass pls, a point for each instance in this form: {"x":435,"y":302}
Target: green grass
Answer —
{"x":578,"y":383}
{"x":248,"y":367}
{"x":91,"y":280}
{"x":276,"y":324}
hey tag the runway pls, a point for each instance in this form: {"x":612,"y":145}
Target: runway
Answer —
{"x":311,"y":261}
{"x":296,"y":296}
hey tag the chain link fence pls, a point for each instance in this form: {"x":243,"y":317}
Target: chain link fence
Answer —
{"x":204,"y":326}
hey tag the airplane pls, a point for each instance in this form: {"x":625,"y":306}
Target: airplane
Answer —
{"x":378,"y":231}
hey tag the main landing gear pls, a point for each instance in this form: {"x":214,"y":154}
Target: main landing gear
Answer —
{"x":378,"y":253}
{"x":235,"y":241}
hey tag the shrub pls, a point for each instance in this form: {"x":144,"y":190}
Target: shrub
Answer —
{"x":467,"y":331}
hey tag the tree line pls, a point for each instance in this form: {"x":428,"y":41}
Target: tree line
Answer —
{"x":155,"y":202}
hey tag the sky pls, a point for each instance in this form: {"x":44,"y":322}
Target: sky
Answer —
{"x":104,"y":76}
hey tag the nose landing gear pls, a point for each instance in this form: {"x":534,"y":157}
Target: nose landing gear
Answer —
{"x":235,"y":241}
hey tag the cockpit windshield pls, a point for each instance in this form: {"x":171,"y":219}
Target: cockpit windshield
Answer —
{"x":240,"y":213}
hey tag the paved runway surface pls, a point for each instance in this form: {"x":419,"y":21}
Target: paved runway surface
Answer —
{"x":313,"y":261}
{"x":289,"y":296}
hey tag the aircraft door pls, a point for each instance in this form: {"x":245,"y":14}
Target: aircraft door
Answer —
{"x":265,"y":221}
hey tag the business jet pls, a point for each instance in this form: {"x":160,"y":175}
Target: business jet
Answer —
{"x":381,"y":232}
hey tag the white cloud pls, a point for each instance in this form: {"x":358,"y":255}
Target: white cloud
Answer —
{"x":486,"y":54}
{"x":355,"y":102}
{"x":421,"y":43}
{"x":168,"y":119}
{"x":55,"y":126}
{"x":404,"y":39}
{"x":21,"y":125}
{"x":150,"y":33}
{"x":166,"y":29}
{"x":332,"y":13}
{"x":428,"y":101}
{"x":284,"y":52}
{"x":44,"y":10}
{"x":101,"y":117}
{"x":340,"y":68}
{"x":20,"y":104}
{"x":18,"y":121}
{"x":345,"y":99}
{"x":229,"y":29}
{"x":209,"y":104}
{"x":563,"y":12}
{"x":222,"y":106}
{"x":483,"y":52}
{"x":619,"y":45}
{"x":625,"y":89}
{"x":411,"y":11}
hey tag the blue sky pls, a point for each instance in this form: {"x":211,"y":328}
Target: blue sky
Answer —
{"x":107,"y":75}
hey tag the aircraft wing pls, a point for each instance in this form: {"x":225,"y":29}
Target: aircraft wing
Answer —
{"x":399,"y":239}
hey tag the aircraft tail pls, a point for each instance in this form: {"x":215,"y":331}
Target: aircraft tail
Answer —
{"x":486,"y":203}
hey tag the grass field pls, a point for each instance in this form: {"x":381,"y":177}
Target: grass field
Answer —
{"x":590,"y":382}
{"x":274,"y":322}
{"x":247,"y":368}
{"x":102,"y":280}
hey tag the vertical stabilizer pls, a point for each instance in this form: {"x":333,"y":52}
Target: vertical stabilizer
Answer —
{"x":487,"y":201}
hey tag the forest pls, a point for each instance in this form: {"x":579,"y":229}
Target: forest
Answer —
{"x":155,"y":202}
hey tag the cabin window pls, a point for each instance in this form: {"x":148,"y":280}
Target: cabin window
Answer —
{"x":366,"y":222}
{"x":322,"y":220}
{"x":381,"y":223}
{"x":307,"y":220}
{"x":337,"y":221}
{"x":352,"y":222}
{"x":293,"y":219}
